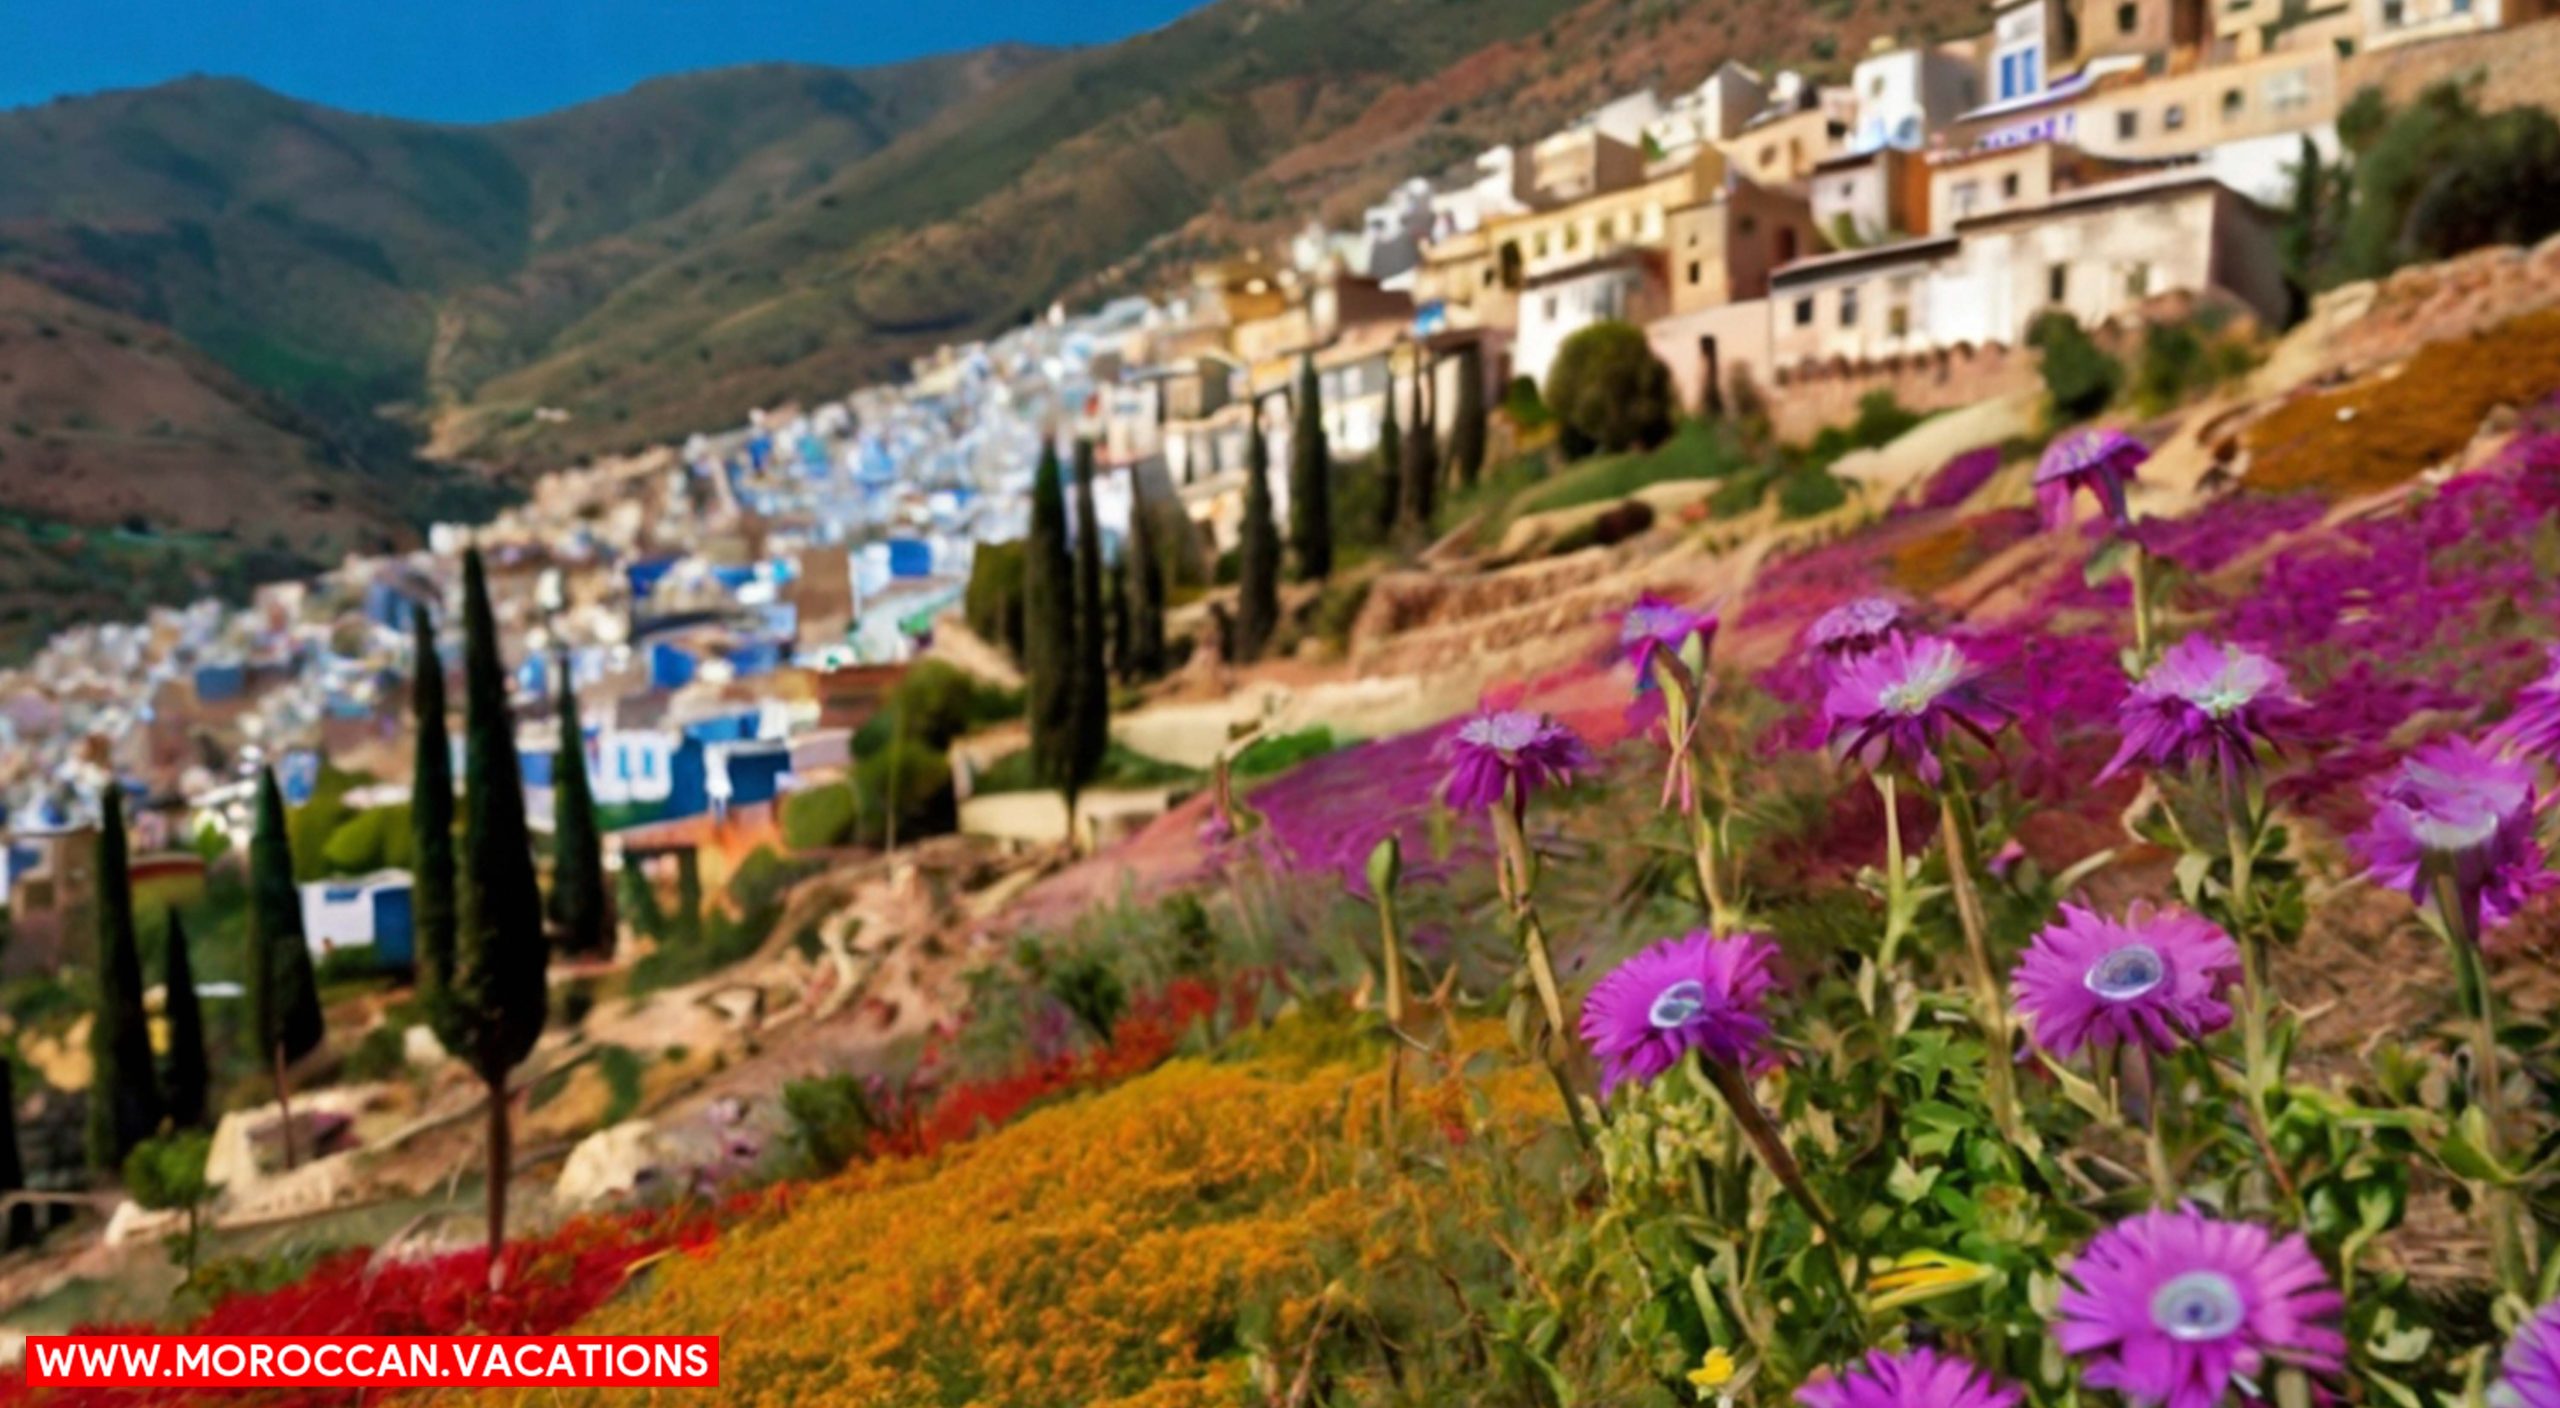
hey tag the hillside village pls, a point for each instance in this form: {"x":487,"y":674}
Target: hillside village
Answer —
{"x":755,"y":624}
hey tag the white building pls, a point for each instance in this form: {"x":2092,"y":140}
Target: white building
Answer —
{"x":1715,"y":111}
{"x":1906,"y":94}
{"x":1624,"y":287}
{"x":1494,"y":185}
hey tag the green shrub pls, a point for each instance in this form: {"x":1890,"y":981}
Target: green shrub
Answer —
{"x":380,"y":1054}
{"x":993,"y":603}
{"x":832,"y":1119}
{"x":166,"y":1174}
{"x":1277,"y":753}
{"x":621,"y":1069}
{"x":2079,"y":377}
{"x":1609,"y":392}
{"x":1808,"y":490}
{"x":1087,"y":985}
{"x":816,"y":818}
{"x":1521,"y":402}
{"x":369,"y":841}
{"x":908,"y":781}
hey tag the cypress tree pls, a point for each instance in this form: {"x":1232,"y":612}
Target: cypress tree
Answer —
{"x":284,"y":994}
{"x":13,"y":1170}
{"x":577,"y":864}
{"x":1092,"y":667}
{"x":188,"y":1082}
{"x":1258,"y":576}
{"x":1049,"y":627}
{"x":124,"y":1090}
{"x":1390,"y":476}
{"x":1311,"y":481}
{"x":500,"y":951}
{"x":1143,"y":568}
{"x":1467,"y":432}
{"x":431,"y":822}
{"x":1421,"y":459}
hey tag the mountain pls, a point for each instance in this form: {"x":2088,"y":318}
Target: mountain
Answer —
{"x":657,"y":262}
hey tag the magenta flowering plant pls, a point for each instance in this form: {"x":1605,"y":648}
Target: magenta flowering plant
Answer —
{"x":2453,"y":826}
{"x":2100,"y":461}
{"x":1896,"y":706}
{"x":1657,"y":625}
{"x":1855,"y":627}
{"x":1911,"y":1378}
{"x":2154,"y":979}
{"x":2529,"y":1372}
{"x":2206,"y":704}
{"x":1511,"y":753}
{"x":2176,"y":1308}
{"x":1695,"y":993}
{"x":2534,"y":726}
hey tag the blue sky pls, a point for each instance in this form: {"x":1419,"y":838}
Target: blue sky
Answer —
{"x":482,"y":60}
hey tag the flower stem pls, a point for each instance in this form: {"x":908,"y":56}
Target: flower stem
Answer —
{"x":2155,"y":1141}
{"x":1682,"y":705}
{"x":1517,"y":869}
{"x":1991,"y":1008}
{"x":2138,"y":568}
{"x":1771,"y":1145}
{"x":2510,"y":1248}
{"x":1897,"y":901}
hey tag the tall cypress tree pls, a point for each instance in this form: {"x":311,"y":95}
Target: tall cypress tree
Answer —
{"x":500,"y":951}
{"x":1389,"y":480}
{"x":1310,"y":481}
{"x":1143,"y":567}
{"x":1421,"y":458}
{"x":430,"y":822}
{"x":188,"y":1083}
{"x":13,"y":1170}
{"x":577,"y":851}
{"x":1467,"y":431}
{"x":124,"y":1090}
{"x":284,"y":994}
{"x":1092,"y":666}
{"x":1258,"y":554}
{"x":1049,"y":627}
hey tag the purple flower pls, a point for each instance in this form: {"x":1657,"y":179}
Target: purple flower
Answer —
{"x":1655,"y":623}
{"x":2206,"y":703}
{"x":1857,"y":627}
{"x":1914,"y":1378}
{"x":1698,"y":993}
{"x":2530,"y":1373}
{"x":2101,"y":461}
{"x":2154,"y":979}
{"x":2174,"y":1308}
{"x":2456,"y":808}
{"x":1893,"y":706}
{"x":1499,"y":746}
{"x":2535,"y":725}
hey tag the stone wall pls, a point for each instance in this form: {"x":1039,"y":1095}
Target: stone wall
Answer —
{"x":2515,"y":67}
{"x":1802,"y":400}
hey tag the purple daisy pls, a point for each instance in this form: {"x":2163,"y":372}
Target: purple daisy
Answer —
{"x":2535,"y":725}
{"x":2530,"y":1373}
{"x":1894,"y":705}
{"x":2174,"y":1308}
{"x":1655,"y":623}
{"x":1857,"y":627}
{"x":1913,"y":1378}
{"x":2455,"y":807}
{"x":1696,"y":993}
{"x":2101,"y":461}
{"x":2206,"y":702}
{"x":2155,"y":979}
{"x":1498,"y":746}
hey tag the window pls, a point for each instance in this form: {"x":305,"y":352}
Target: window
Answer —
{"x":2057,"y":283}
{"x":1696,"y":271}
{"x":2174,"y":117}
{"x":2393,"y":12}
{"x":2009,"y":186}
{"x":1897,"y":321}
{"x":2288,"y":90}
{"x":2128,"y":124}
{"x":2137,"y":282}
{"x":1804,"y":312}
{"x":1875,"y":86}
{"x":1608,"y":229}
{"x":2128,"y":18}
{"x":2232,"y":103}
{"x":1768,"y":157}
{"x":1748,"y":225}
{"x":1849,"y":307}
{"x":1551,"y":307}
{"x":1964,"y":196}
